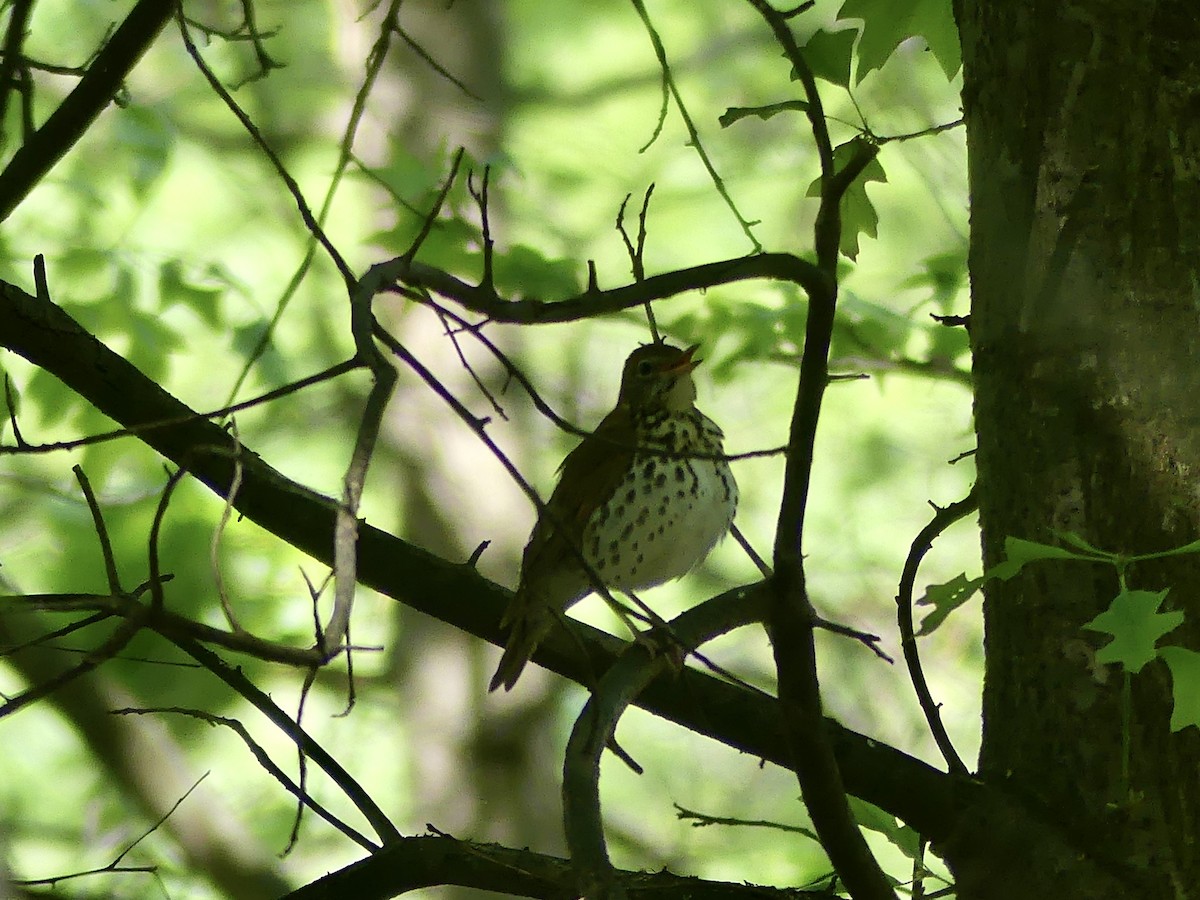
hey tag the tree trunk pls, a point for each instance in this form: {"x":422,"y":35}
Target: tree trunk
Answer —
{"x":1083,"y":129}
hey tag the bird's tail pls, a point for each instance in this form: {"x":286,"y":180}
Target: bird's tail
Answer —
{"x":527,"y":632}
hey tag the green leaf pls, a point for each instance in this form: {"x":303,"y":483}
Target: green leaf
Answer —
{"x":174,"y":286}
{"x":1077,"y":541}
{"x":525,"y":271}
{"x":888,"y":23}
{"x":143,"y":133}
{"x":271,"y":364}
{"x":945,"y":598}
{"x":735,"y":113}
{"x":755,"y":329}
{"x":858,"y":213}
{"x":1020,"y":552}
{"x":864,"y":326}
{"x":945,"y":274}
{"x":871,"y":817}
{"x":1185,"y":685}
{"x":405,"y":176}
{"x":54,"y":400}
{"x":1193,"y":547}
{"x":1135,"y":624}
{"x":828,"y":54}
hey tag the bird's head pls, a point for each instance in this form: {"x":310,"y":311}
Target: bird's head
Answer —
{"x":659,"y":376}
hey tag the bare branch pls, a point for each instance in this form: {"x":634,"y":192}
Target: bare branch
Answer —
{"x":314,"y":227}
{"x":264,"y":760}
{"x":439,"y":859}
{"x":290,"y":388}
{"x":110,"y":565}
{"x":235,"y":679}
{"x":434,"y":64}
{"x":157,"y":600}
{"x":13,"y":67}
{"x":637,"y":253}
{"x":375,"y":61}
{"x":693,"y":134}
{"x":68,"y":123}
{"x":942,"y":519}
{"x":345,"y":547}
{"x":596,"y":725}
{"x":214,"y":545}
{"x":592,"y":302}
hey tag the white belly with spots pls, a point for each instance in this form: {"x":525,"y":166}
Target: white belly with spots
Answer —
{"x":664,"y":518}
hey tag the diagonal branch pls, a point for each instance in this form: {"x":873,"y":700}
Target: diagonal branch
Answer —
{"x":80,"y":108}
{"x":744,"y":719}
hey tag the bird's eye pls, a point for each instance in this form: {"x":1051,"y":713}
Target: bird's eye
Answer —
{"x":645,"y":368}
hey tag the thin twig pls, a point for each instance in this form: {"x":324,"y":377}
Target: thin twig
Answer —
{"x":452,"y":334}
{"x":693,"y":134}
{"x":71,"y":628}
{"x":480,"y":195}
{"x":374,"y":64}
{"x":157,"y":600}
{"x":942,"y":519}
{"x":242,"y":685}
{"x":110,"y":564}
{"x":439,"y":201}
{"x":214,"y":545}
{"x":10,"y":402}
{"x":701,"y":820}
{"x":924,"y":132}
{"x":264,"y":760}
{"x":301,"y":763}
{"x":637,"y":253}
{"x":870,"y":641}
{"x":314,"y":227}
{"x":435,"y":65}
{"x":137,"y":430}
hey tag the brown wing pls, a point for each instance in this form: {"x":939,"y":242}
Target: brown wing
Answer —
{"x":551,"y":577}
{"x":590,"y":474}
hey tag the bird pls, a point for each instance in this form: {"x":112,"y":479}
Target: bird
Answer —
{"x":643,"y":499}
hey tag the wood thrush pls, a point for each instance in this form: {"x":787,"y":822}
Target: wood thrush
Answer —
{"x":642,"y":499}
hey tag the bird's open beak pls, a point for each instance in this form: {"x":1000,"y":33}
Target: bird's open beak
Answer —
{"x":686,"y":363}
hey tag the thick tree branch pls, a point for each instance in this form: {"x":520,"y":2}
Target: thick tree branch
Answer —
{"x":483,"y":300}
{"x":76,"y":113}
{"x":962,"y":818}
{"x":737,"y":716}
{"x":596,"y":725}
{"x":433,"y":860}
{"x":791,"y":616}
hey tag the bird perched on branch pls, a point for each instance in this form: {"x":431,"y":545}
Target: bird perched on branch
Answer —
{"x":641,"y":500}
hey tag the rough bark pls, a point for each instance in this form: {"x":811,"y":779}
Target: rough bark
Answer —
{"x":1084,"y":147}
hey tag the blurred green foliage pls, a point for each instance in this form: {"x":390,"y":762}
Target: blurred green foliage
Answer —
{"x":168,"y":235}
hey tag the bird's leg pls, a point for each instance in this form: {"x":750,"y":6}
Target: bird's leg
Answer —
{"x":659,"y":639}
